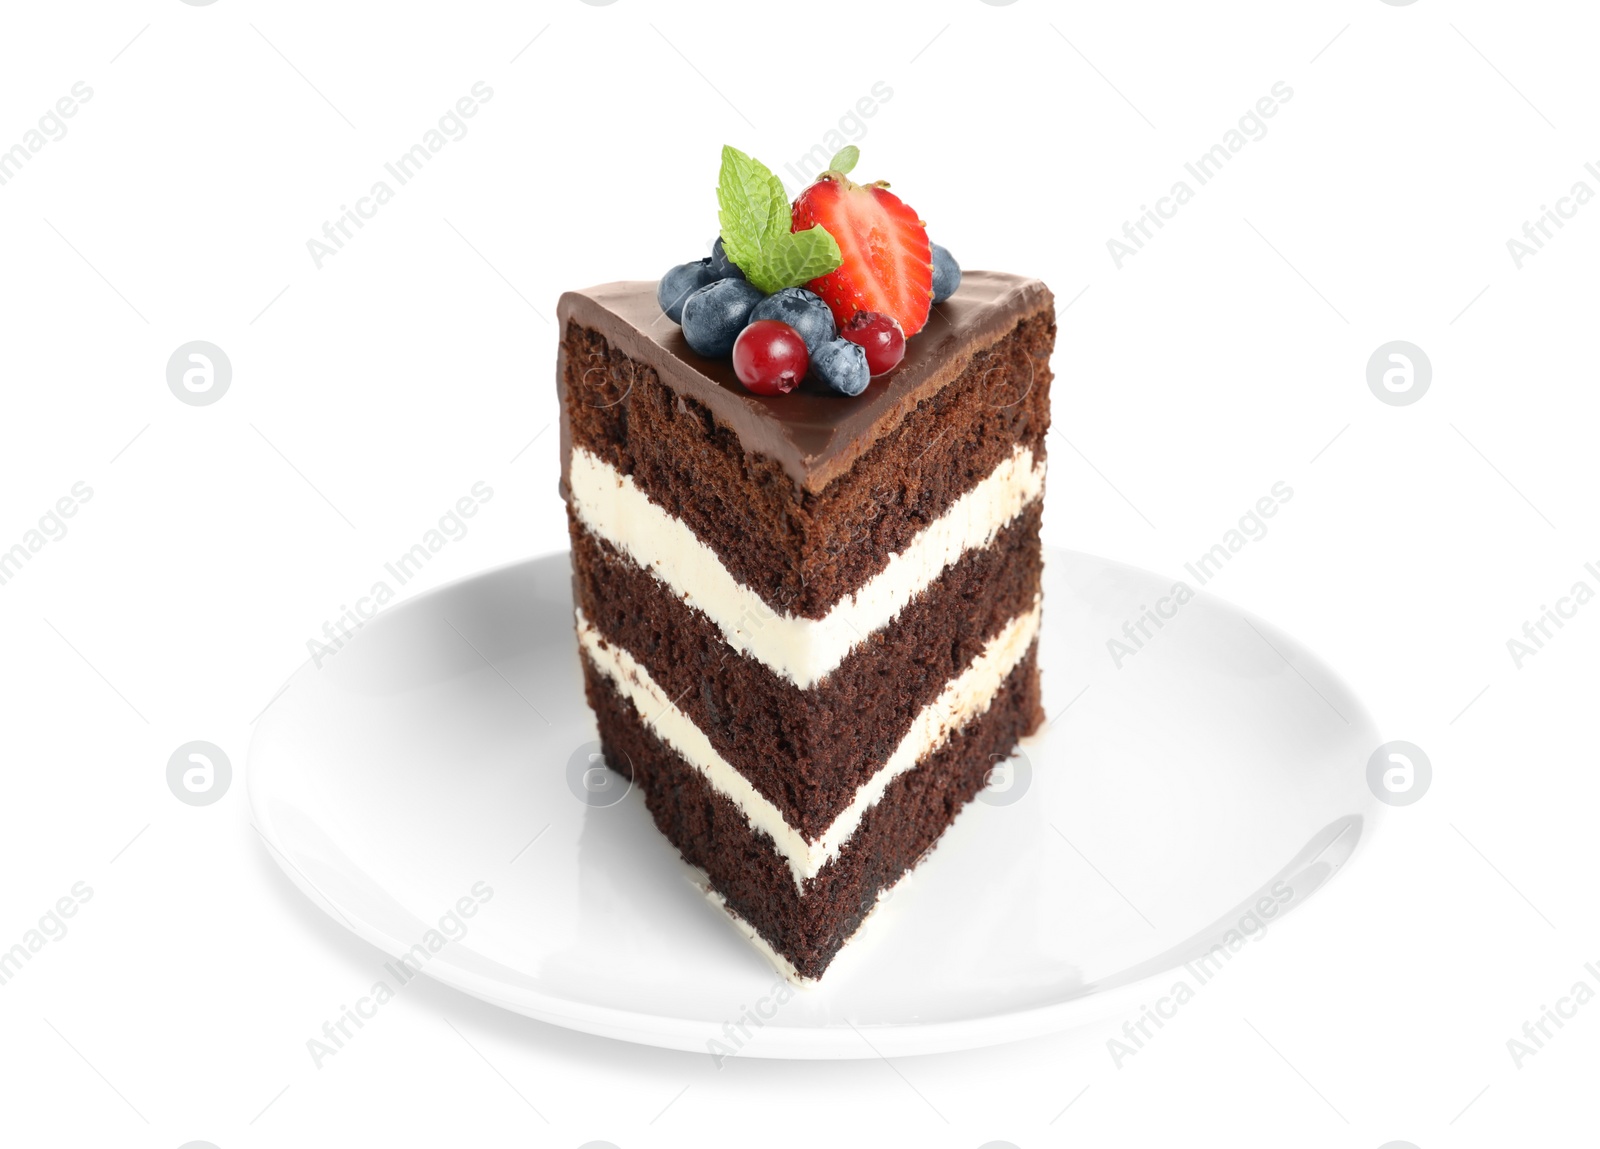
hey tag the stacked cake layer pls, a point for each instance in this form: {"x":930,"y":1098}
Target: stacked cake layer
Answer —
{"x":807,"y":623}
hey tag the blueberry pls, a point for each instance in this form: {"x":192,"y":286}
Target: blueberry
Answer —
{"x":946,"y":274}
{"x":714,"y":315}
{"x":803,"y":311}
{"x":677,"y":284}
{"x":841,"y":366}
{"x":724,"y":267}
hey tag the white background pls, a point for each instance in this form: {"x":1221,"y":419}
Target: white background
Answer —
{"x":369,"y":395}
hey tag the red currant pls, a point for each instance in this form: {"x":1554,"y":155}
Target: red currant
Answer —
{"x":770,"y":358}
{"x":881,"y":338}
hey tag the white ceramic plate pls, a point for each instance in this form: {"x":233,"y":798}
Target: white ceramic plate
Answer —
{"x":1220,"y":765}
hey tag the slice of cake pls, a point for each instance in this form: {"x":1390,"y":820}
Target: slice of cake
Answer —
{"x":808,"y":618}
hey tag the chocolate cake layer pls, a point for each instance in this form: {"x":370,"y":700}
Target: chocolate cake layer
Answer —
{"x":709,"y":831}
{"x":813,"y":436}
{"x":757,"y":479}
{"x":808,"y":751}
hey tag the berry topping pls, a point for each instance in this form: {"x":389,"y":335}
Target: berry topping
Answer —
{"x":714,"y":315}
{"x":722,"y":267}
{"x":801,"y":310}
{"x":886,"y":265}
{"x":677,"y":284}
{"x":946,"y":273}
{"x":879,"y":336}
{"x":841,"y":366}
{"x":831,"y":285}
{"x":770,"y":358}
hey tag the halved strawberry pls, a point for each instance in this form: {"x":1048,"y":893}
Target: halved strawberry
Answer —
{"x":888,"y":265}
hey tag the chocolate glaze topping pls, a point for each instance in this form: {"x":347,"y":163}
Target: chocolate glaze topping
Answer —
{"x":813,"y":435}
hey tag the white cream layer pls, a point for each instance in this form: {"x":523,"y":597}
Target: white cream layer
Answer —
{"x":803,"y":650}
{"x":963,"y":698}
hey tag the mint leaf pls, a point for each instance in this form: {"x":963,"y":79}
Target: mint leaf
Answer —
{"x":801,"y":257}
{"x":845,"y":160}
{"x":754,"y":211}
{"x":756,"y":220}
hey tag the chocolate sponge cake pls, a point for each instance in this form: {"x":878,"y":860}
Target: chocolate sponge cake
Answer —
{"x":807,"y":621}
